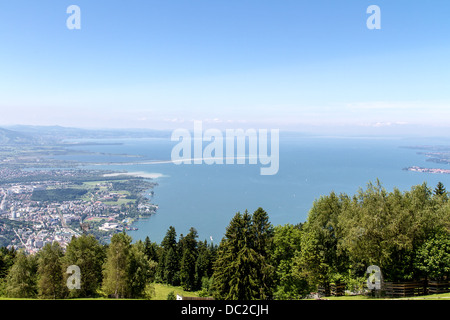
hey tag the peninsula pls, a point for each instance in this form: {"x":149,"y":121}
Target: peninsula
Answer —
{"x":45,"y":199}
{"x":428,"y":170}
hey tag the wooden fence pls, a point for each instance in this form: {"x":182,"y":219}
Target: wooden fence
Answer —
{"x":395,"y":289}
{"x":334,"y":289}
{"x":180,"y":297}
{"x":405,"y":289}
{"x":337,"y":289}
{"x":438,"y":286}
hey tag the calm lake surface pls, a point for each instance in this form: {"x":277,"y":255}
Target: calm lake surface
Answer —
{"x":206,"y":197}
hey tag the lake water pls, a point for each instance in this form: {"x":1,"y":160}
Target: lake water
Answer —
{"x":206,"y":197}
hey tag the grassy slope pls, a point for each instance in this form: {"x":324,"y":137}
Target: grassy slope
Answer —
{"x":427,"y":297}
{"x":162,"y":290}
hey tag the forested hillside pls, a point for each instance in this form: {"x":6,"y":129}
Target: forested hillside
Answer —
{"x":405,"y":233}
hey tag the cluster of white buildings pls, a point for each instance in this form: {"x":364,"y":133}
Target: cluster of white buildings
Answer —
{"x":44,"y":222}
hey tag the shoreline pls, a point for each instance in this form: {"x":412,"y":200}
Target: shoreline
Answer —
{"x":140,"y":174}
{"x":428,"y":170}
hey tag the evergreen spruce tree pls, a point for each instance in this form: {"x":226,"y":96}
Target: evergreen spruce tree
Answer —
{"x":7,"y":257}
{"x":188,"y":260}
{"x":244,"y":283}
{"x":440,"y":191}
{"x":202,"y":264}
{"x":171,"y":271}
{"x":150,"y":249}
{"x":240,"y":260}
{"x":263,"y":234}
{"x":226,"y":254}
{"x":168,"y":259}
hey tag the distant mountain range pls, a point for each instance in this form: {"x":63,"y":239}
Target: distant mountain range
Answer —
{"x":10,"y":137}
{"x":28,"y":135}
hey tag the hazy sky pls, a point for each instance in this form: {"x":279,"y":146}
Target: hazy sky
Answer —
{"x":287,"y":64}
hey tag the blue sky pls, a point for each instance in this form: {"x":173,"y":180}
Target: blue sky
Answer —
{"x":287,"y":64}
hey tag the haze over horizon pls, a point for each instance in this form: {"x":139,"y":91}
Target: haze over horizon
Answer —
{"x":307,"y":66}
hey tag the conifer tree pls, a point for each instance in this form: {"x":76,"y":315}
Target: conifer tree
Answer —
{"x":240,"y":260}
{"x":188,"y":260}
{"x":7,"y":257}
{"x":263,"y":241}
{"x":171,"y":263}
{"x":203,"y":263}
{"x":227,"y":254}
{"x":168,"y":259}
{"x":440,"y":192}
{"x":150,"y":249}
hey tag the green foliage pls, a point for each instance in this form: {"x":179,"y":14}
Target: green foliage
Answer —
{"x":171,"y":296}
{"x":168,"y":259}
{"x":263,"y":233}
{"x":58,"y":195}
{"x":286,"y":247}
{"x":6,"y":260}
{"x":440,"y":190}
{"x":206,"y":287}
{"x":149,"y":291}
{"x":51,"y":281}
{"x":184,"y":262}
{"x":204,"y":263}
{"x":386,"y":229}
{"x":140,"y":272}
{"x":115,"y":271}
{"x":433,"y":256}
{"x":406,"y":234}
{"x":21,"y":281}
{"x":189,"y":254}
{"x":321,"y":258}
{"x":127,"y":272}
{"x":242,"y":270}
{"x":86,"y":253}
{"x":151,"y":249}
